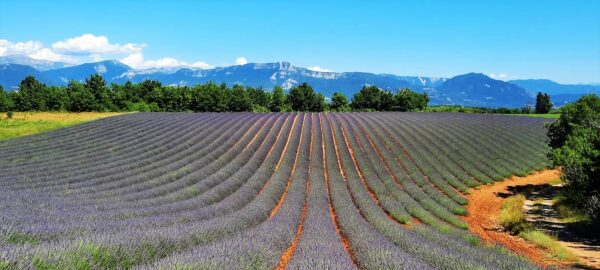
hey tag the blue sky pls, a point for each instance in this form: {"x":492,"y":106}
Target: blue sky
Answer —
{"x":559,"y":40}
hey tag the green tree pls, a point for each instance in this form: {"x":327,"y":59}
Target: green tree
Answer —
{"x":131,"y":92}
{"x":31,"y":95}
{"x":304,"y":98}
{"x":174,"y":99}
{"x":6,"y":102}
{"x":278,"y":99}
{"x":118,"y":96}
{"x":56,"y":98}
{"x":210,"y":97}
{"x":575,"y":147}
{"x":97,"y":86}
{"x":259,"y":96}
{"x":407,"y":100}
{"x":318,"y":103}
{"x":387,"y":101}
{"x":157,"y":96}
{"x":542,"y":103}
{"x":369,"y":97}
{"x":201,"y":101}
{"x":583,"y":112}
{"x":220,"y":96}
{"x":339,"y":103}
{"x":143,"y":90}
{"x":81,"y":99}
{"x":240,"y":100}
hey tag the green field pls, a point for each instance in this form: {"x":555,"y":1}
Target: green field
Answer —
{"x":548,"y":115}
{"x":28,"y":123}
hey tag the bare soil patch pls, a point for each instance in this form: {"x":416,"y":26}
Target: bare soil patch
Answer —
{"x":484,"y":208}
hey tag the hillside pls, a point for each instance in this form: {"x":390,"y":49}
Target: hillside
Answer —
{"x":560,"y":93}
{"x":476,"y":89}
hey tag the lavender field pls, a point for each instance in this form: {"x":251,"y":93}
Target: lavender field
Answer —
{"x":259,"y":191}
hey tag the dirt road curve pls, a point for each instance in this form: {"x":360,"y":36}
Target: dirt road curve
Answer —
{"x":484,"y":208}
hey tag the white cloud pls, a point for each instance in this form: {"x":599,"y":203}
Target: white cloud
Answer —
{"x":241,"y":61}
{"x":47,"y":54}
{"x":137,"y":61}
{"x":165,"y":62}
{"x":97,"y":57}
{"x":133,"y":60}
{"x":202,"y":65}
{"x":500,"y":76}
{"x":91,"y":48}
{"x":91,"y":44}
{"x":28,"y":47}
{"x":33,"y":49}
{"x":319,"y":69}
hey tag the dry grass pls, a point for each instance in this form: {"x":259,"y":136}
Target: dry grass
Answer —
{"x":59,"y":116}
{"x":548,"y":242}
{"x":566,"y":212}
{"x":29,"y":123}
{"x":511,"y":215}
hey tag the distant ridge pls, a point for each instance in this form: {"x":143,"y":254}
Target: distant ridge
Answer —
{"x":472,"y":89}
{"x":41,"y":65}
{"x":560,"y":93}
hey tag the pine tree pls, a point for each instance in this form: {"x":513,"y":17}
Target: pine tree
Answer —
{"x":542,"y":103}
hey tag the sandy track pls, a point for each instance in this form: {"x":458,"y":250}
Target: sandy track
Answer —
{"x":484,"y":209}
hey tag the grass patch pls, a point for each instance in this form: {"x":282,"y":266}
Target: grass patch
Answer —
{"x":511,"y":214}
{"x":29,"y":123}
{"x":21,"y":238}
{"x":86,"y":256}
{"x":548,"y":243}
{"x":546,"y":115}
{"x":513,"y":219}
{"x":566,"y":212}
{"x":5,"y":265}
{"x":556,"y":181}
{"x":473,"y":240}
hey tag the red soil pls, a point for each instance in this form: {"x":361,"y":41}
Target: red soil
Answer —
{"x":484,"y":208}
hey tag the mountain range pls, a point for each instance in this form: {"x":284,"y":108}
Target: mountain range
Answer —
{"x":472,"y":89}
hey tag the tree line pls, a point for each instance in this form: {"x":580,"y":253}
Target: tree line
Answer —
{"x":574,"y":140}
{"x":543,"y":105}
{"x":150,"y":95}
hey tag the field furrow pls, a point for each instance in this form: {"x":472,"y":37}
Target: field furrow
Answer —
{"x":259,"y":191}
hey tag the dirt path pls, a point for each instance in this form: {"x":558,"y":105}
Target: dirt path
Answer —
{"x":539,"y":209}
{"x":484,"y":208}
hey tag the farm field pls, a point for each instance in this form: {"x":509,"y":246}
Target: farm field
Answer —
{"x":542,"y":115}
{"x":260,"y":191}
{"x":28,"y":123}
